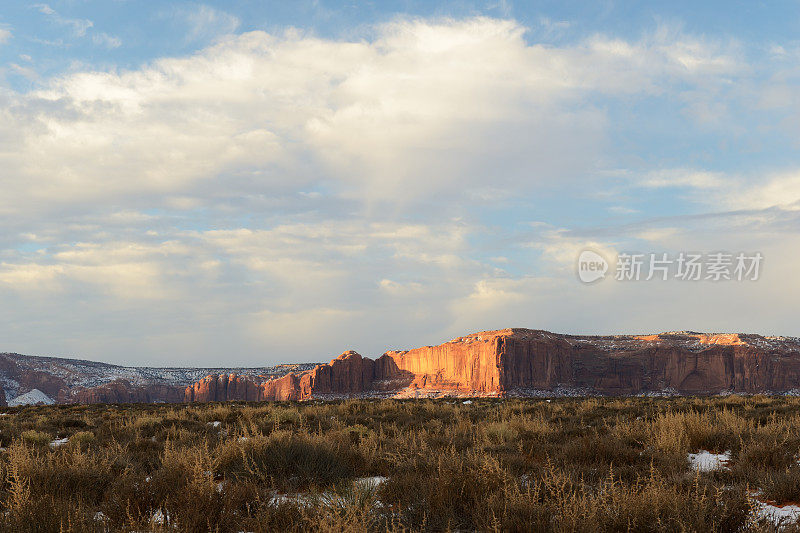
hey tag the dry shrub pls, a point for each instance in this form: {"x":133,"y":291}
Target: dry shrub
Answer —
{"x":495,"y":465}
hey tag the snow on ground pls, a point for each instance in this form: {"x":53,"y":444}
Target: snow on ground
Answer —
{"x":59,"y":442}
{"x":706,"y":461}
{"x":778,"y":515}
{"x":160,"y":517}
{"x":371,"y":482}
{"x":304,"y":499}
{"x":32,"y":397}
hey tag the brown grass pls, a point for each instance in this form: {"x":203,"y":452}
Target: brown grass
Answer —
{"x":495,"y":465}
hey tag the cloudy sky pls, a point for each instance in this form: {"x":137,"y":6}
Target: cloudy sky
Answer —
{"x":244,"y":183}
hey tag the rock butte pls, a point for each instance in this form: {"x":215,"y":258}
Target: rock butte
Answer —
{"x":507,"y":362}
{"x":534,"y":362}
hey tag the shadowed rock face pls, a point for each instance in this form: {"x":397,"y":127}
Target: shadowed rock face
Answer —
{"x":79,"y":381}
{"x":121,"y":391}
{"x":522,"y":360}
{"x":228,"y":387}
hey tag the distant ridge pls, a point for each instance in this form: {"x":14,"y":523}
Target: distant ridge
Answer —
{"x":507,"y":362}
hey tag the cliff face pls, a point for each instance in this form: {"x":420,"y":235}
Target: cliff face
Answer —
{"x":687,"y":363}
{"x":230,"y":387}
{"x":348,"y":373}
{"x":466,"y":364}
{"x":121,"y":391}
{"x":525,"y":361}
{"x":509,"y":361}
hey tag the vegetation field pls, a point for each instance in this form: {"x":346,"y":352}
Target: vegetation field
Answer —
{"x":415,"y":465}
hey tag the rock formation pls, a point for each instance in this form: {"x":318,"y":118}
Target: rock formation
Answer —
{"x":522,"y":361}
{"x":78,"y":381}
{"x":122,"y":391}
{"x":493,"y":363}
{"x":232,"y":387}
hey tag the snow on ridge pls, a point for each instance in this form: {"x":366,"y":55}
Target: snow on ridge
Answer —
{"x":32,"y":397}
{"x":83,"y":373}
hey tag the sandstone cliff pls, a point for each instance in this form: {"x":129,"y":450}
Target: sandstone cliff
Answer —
{"x":121,"y":391}
{"x":522,"y":361}
{"x":218,"y":388}
{"x":503,"y":362}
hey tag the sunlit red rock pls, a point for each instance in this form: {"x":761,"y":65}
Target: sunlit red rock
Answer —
{"x":522,"y":361}
{"x":502,"y":362}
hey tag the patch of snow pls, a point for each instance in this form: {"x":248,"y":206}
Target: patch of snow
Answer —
{"x":467,"y":402}
{"x":776,"y":514}
{"x":99,"y":516}
{"x":371,"y":482}
{"x":706,"y":461}
{"x":215,"y":423}
{"x":301,"y":500}
{"x":160,"y":517}
{"x":32,"y":397}
{"x":59,"y":442}
{"x":326,"y":498}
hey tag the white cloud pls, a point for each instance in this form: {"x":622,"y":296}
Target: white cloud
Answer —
{"x":45,"y":9}
{"x":560,"y":250}
{"x":680,"y":177}
{"x":205,"y":21}
{"x":78,"y":26}
{"x":423,"y":109}
{"x":347,"y":180}
{"x":722,"y":191}
{"x":5,"y":35}
{"x":104,"y":39}
{"x":778,"y":190}
{"x":243,"y":289}
{"x":661,"y":236}
{"x":26,"y":72}
{"x":410,"y":288}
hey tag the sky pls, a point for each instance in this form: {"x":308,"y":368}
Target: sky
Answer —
{"x":246,"y":183}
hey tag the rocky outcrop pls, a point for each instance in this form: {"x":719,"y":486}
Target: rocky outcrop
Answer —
{"x":121,"y":391}
{"x":522,"y":361}
{"x":79,"y":381}
{"x":502,"y":362}
{"x":221,"y":388}
{"x":347,"y":374}
{"x":230,"y":387}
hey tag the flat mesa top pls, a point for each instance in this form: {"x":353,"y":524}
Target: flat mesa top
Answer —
{"x":684,"y":339}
